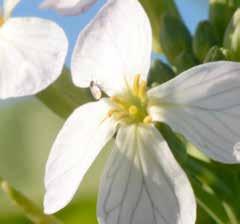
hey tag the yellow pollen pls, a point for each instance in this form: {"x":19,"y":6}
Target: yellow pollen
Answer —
{"x":133,"y":110}
{"x":147,"y":120}
{"x":1,"y":21}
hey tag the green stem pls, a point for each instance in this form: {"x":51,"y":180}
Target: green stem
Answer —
{"x":34,"y":213}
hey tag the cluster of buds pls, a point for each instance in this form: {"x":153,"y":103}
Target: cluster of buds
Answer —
{"x":215,"y":39}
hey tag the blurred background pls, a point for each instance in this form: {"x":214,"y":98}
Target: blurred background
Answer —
{"x":28,"y":128}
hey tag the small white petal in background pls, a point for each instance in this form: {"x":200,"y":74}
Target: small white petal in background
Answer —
{"x":203,"y":104}
{"x":8,"y":7}
{"x":68,"y":7}
{"x":32,"y":55}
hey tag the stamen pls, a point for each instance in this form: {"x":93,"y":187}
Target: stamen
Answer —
{"x":147,"y":120}
{"x":133,"y":110}
{"x":136,"y":84}
{"x":119,"y":102}
{"x":142,"y":90}
{"x":111,"y":112}
{"x":121,"y":115}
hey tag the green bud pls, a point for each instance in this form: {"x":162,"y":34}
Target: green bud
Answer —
{"x":159,"y":73}
{"x":185,"y":61}
{"x":217,"y":54}
{"x":205,"y":37}
{"x":220,"y":13}
{"x":174,"y":37}
{"x":62,"y":97}
{"x":232,"y":37}
{"x":155,"y":10}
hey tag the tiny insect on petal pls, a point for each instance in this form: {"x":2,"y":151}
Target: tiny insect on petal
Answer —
{"x":96,"y":90}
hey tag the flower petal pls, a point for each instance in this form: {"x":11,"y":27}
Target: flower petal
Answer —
{"x":143,"y":183}
{"x":203,"y":104}
{"x":32,"y":55}
{"x":79,"y":142}
{"x":68,"y":7}
{"x":8,"y":7}
{"x":114,"y":47}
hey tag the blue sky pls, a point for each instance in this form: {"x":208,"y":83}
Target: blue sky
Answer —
{"x":191,"y":10}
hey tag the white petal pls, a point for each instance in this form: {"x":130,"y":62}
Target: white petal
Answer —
{"x":68,"y":7}
{"x":8,"y":7}
{"x":114,"y":47}
{"x":79,"y":142}
{"x":143,"y":183}
{"x":203,"y":103}
{"x":32,"y":55}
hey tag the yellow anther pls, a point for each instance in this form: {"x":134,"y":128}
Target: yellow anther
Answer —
{"x":147,"y":120}
{"x":1,"y":20}
{"x":142,"y":90}
{"x":133,"y":110}
{"x":136,"y":84}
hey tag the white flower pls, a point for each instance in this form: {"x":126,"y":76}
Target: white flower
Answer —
{"x":142,"y":182}
{"x":32,"y":53}
{"x":68,"y":7}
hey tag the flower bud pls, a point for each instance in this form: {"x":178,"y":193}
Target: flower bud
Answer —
{"x":159,"y":73}
{"x":216,"y":54}
{"x":185,"y":61}
{"x":155,"y":10}
{"x":220,"y":13}
{"x":174,"y":37}
{"x":205,"y":37}
{"x":232,"y":37}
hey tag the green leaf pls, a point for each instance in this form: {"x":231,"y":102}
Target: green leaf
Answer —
{"x":155,"y":10}
{"x":28,"y":207}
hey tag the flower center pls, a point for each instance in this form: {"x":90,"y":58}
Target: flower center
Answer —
{"x":131,"y":107}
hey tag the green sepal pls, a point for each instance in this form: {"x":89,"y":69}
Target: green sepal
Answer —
{"x":204,"y":38}
{"x":175,"y":38}
{"x":185,"y":60}
{"x":159,"y":73}
{"x":62,"y":97}
{"x":217,"y":54}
